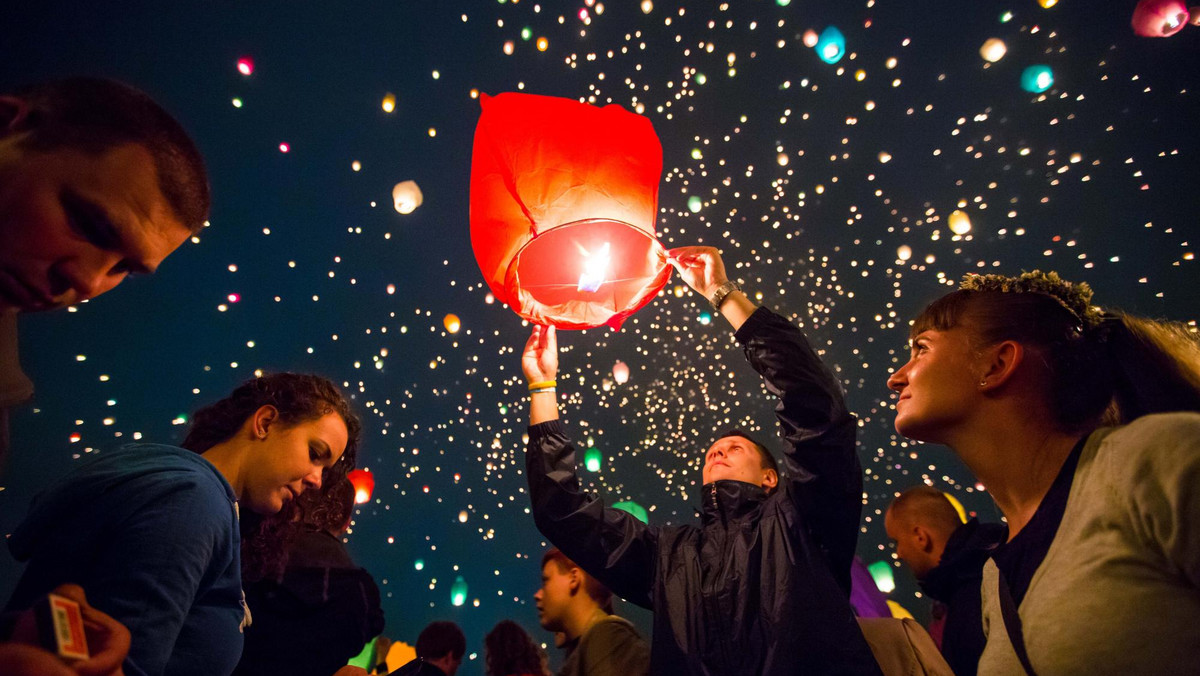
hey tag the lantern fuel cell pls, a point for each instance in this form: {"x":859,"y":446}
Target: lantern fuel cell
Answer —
{"x":564,"y":197}
{"x":60,"y":627}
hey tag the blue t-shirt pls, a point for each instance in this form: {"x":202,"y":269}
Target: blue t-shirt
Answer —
{"x":151,"y":534}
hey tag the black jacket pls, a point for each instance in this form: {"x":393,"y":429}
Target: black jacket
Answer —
{"x":761,"y":586}
{"x":315,"y":618}
{"x":955,"y":582}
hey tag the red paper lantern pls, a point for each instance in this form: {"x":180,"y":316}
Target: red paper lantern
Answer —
{"x":564,"y":198}
{"x":1159,"y":18}
{"x":363,"y":482}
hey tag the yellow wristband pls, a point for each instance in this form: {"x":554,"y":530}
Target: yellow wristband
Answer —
{"x":542,"y":384}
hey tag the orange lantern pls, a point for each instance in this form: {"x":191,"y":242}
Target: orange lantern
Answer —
{"x":564,"y":197}
{"x":363,"y":482}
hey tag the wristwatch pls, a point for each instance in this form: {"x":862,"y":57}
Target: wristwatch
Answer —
{"x":723,"y":292}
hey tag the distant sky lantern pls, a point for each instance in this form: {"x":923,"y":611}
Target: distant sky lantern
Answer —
{"x":364,"y":485}
{"x":564,"y":197}
{"x":1047,"y":4}
{"x":452,"y":323}
{"x":245,"y":65}
{"x":831,"y":45}
{"x":1159,"y":18}
{"x":620,"y":372}
{"x":389,"y":103}
{"x":1194,"y":17}
{"x":881,"y":572}
{"x":406,"y":196}
{"x":458,"y":591}
{"x":960,"y":222}
{"x":695,"y":204}
{"x":1037,"y":79}
{"x":591,"y":459}
{"x":993,"y":50}
{"x":904,"y":252}
{"x":811,"y":38}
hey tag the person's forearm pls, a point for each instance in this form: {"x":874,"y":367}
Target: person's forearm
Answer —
{"x":543,"y":406}
{"x":737,"y":308}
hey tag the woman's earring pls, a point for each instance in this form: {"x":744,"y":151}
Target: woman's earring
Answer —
{"x":983,"y":383}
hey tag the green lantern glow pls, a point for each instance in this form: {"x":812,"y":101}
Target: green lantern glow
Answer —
{"x":458,"y":591}
{"x":591,"y":459}
{"x":634,"y":509}
{"x":881,"y":572}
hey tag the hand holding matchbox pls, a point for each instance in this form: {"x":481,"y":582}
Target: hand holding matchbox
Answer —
{"x":71,"y":634}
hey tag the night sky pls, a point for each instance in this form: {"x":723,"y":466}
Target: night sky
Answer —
{"x":828,"y":187}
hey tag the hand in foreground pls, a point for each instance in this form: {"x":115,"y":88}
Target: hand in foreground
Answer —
{"x":108,"y":639}
{"x":700,"y":267}
{"x":539,"y":361}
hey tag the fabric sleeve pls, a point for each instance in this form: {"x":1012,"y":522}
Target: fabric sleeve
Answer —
{"x":611,"y":545}
{"x":149,"y":573}
{"x":822,"y":472}
{"x":613,"y":648}
{"x":1165,"y":483}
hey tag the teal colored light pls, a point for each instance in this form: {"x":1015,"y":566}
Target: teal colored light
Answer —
{"x":695,"y":204}
{"x":1037,"y":79}
{"x":458,"y":591}
{"x":783,"y":3}
{"x":526,"y":33}
{"x":591,"y":459}
{"x":831,"y":45}
{"x":881,"y":572}
{"x":635,"y":509}
{"x":419,"y":564}
{"x":705,"y":318}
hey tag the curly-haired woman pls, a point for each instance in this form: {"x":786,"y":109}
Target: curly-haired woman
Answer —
{"x":509,"y":651}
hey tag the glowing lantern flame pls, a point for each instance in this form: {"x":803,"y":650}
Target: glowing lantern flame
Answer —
{"x":1037,"y":79}
{"x":364,"y":485}
{"x":591,"y":459}
{"x":993,"y":50}
{"x":452,"y":323}
{"x":1159,"y":18}
{"x":389,"y":103}
{"x":551,"y":178}
{"x":620,"y":372}
{"x":458,"y":591}
{"x":831,"y":45}
{"x":406,"y":196}
{"x":245,"y":65}
{"x":960,"y":222}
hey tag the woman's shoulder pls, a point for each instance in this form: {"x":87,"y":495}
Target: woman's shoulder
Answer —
{"x":1159,"y":445}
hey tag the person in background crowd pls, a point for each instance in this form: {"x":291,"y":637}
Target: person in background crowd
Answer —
{"x":946,"y":556}
{"x":509,"y":651}
{"x":97,"y":182}
{"x":762,"y":585}
{"x":596,"y":642}
{"x":1083,"y":425}
{"x":322,"y":609}
{"x":440,"y":649}
{"x":151,"y":531}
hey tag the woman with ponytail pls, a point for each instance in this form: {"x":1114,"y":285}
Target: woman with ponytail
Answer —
{"x":1082,"y":423}
{"x":152,"y":532}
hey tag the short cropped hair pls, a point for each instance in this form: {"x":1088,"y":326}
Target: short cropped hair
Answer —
{"x":928,"y":506}
{"x":94,"y":115}
{"x":767,"y":461}
{"x":594,"y":588}
{"x":440,"y":639}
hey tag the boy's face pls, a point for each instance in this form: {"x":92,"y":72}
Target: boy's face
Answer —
{"x":737,"y":459}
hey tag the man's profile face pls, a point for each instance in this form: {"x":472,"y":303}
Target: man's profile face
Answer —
{"x":736,"y":458}
{"x":554,"y":597}
{"x":73,"y":225}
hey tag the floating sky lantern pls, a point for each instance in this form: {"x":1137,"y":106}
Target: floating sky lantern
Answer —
{"x":245,"y":65}
{"x":1047,"y":4}
{"x":904,"y":252}
{"x":591,"y":459}
{"x":406,"y":196}
{"x":564,"y":197}
{"x":1159,"y":18}
{"x":638,"y":511}
{"x":1037,"y":79}
{"x":389,"y":103}
{"x":960,"y":222}
{"x":451,"y":323}
{"x":993,"y":50}
{"x":810,"y":38}
{"x":881,"y":572}
{"x":620,"y":372}
{"x":831,"y":45}
{"x":364,"y":484}
{"x":458,"y":591}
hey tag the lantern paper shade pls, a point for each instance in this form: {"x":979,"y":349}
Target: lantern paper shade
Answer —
{"x":620,"y":372}
{"x":591,"y":459}
{"x":831,"y":45}
{"x":564,"y":197}
{"x":1159,"y":18}
{"x":364,"y":484}
{"x":1037,"y":79}
{"x":458,"y":591}
{"x":406,"y":196}
{"x":881,"y":572}
{"x":638,"y":511}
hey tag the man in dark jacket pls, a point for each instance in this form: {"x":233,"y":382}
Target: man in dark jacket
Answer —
{"x":440,"y":649}
{"x":761,"y":586}
{"x":946,"y":556}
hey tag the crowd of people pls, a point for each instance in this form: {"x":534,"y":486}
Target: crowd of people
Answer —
{"x":224,"y":554}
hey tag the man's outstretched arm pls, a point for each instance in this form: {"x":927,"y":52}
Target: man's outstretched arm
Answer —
{"x":611,"y":545}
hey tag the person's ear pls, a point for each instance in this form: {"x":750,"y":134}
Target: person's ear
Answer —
{"x":263,"y":418}
{"x":923,"y":538}
{"x":770,"y":479}
{"x":1000,"y":364}
{"x":576,"y":580}
{"x":14,"y":112}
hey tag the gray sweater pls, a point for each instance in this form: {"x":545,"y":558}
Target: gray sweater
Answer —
{"x":1119,"y":590}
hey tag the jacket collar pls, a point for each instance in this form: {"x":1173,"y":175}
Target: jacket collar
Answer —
{"x":962,"y":560}
{"x":726,"y":500}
